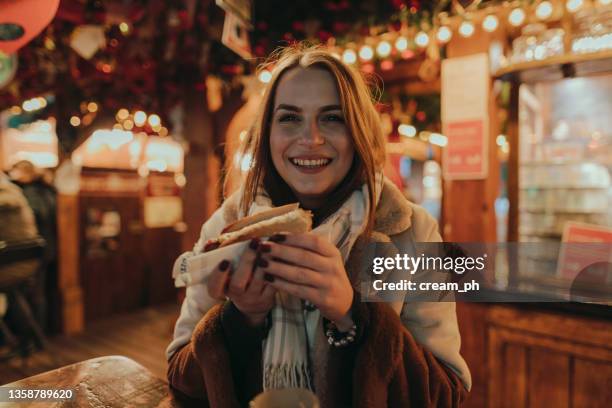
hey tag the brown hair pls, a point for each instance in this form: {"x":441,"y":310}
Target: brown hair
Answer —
{"x":358,"y":108}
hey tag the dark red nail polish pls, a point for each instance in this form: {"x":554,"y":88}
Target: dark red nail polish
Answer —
{"x":254,"y":243}
{"x":265,"y":247}
{"x":211,"y":245}
{"x":268,"y":277}
{"x":278,"y":238}
{"x":262,"y":262}
{"x":223,"y":265}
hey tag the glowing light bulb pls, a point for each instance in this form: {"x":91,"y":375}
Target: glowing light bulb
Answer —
{"x":349,"y":56}
{"x":154,"y":120}
{"x":573,"y":5}
{"x":366,"y":53}
{"x":544,"y":10}
{"x":265,"y":76}
{"x":516,"y":17}
{"x":28,"y":106}
{"x":421,"y":39}
{"x":383,"y":49}
{"x":140,"y":118}
{"x":75,"y":121}
{"x":444,"y":34}
{"x":490,"y":23}
{"x":401,"y":44}
{"x":407,"y":130}
{"x":124,"y":27}
{"x":466,"y":29}
{"x":438,"y":139}
{"x":122,"y":114}
{"x":92,"y":107}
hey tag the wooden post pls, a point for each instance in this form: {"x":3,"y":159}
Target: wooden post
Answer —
{"x":202,"y":167}
{"x":469,"y":205}
{"x":68,"y":246}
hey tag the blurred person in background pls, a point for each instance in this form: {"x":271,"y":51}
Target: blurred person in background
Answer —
{"x":37,"y":186}
{"x":17,"y":223}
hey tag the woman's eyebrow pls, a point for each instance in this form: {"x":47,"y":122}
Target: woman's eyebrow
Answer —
{"x":294,"y":108}
{"x":330,"y":108}
{"x":288,"y":107}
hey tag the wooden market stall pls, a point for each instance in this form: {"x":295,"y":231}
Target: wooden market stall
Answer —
{"x":554,"y":352}
{"x":120,"y":225}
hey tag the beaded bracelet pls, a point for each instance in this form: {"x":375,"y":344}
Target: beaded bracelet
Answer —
{"x":340,"y":339}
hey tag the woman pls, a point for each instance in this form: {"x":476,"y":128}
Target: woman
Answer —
{"x":292,"y":314}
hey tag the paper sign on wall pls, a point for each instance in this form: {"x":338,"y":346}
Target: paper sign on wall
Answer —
{"x":465,"y":117}
{"x":597,"y":248}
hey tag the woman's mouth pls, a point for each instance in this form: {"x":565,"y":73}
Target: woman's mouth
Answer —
{"x":311,"y":163}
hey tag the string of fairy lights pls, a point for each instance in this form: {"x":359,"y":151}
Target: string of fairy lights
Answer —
{"x":409,"y":40}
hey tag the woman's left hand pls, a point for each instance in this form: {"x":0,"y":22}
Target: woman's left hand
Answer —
{"x":311,"y":268}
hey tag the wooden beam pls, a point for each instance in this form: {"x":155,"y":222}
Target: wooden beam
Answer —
{"x":202,"y":167}
{"x":469,"y":205}
{"x":69,"y":283}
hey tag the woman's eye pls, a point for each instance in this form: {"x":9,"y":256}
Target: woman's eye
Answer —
{"x":288,"y":117}
{"x":333,"y":118}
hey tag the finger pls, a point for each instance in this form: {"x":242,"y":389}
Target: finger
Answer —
{"x":301,"y":291}
{"x":257,"y":283}
{"x":309,"y":241}
{"x":292,"y":273}
{"x":218,"y":280}
{"x":244,"y":270}
{"x":295,"y":256}
{"x":268,"y":291}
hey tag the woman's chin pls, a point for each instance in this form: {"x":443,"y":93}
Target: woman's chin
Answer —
{"x":311,"y":194}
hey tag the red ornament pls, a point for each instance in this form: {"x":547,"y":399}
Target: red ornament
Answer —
{"x":344,"y":5}
{"x":368,"y":68}
{"x":331,"y":6}
{"x":386,"y":65}
{"x":324,"y":35}
{"x":421,"y":116}
{"x":398,"y":4}
{"x":260,"y":50}
{"x":407,"y":54}
{"x":297,"y":26}
{"x":340,"y":27}
{"x":23,"y":20}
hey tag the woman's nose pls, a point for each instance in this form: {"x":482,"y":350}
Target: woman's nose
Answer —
{"x":312,"y":134}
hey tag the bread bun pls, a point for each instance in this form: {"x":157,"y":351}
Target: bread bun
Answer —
{"x":288,"y":218}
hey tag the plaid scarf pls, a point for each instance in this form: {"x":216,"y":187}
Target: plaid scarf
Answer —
{"x":285,"y":350}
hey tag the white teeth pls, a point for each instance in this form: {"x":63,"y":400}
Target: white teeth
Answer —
{"x":310,"y":162}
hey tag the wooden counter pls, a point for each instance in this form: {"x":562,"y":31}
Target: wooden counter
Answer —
{"x":111,"y":381}
{"x":526,"y":355}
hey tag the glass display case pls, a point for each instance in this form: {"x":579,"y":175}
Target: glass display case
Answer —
{"x":565,"y":187}
{"x":559,"y":181}
{"x":565,"y":155}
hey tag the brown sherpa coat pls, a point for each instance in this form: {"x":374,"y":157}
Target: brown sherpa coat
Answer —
{"x":221,"y":365}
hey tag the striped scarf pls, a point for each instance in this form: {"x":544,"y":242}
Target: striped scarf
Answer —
{"x":285,"y":350}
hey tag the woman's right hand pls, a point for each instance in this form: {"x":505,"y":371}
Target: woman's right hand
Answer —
{"x":245,"y":286}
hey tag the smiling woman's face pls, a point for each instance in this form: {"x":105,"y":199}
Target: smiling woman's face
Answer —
{"x":310,"y":143}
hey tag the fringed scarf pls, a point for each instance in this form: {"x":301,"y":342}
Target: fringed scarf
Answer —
{"x":285,"y":350}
